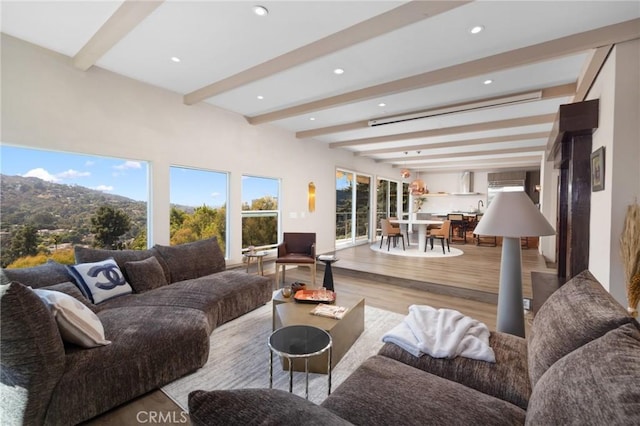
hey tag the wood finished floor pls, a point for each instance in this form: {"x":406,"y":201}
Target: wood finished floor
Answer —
{"x":379,"y":279}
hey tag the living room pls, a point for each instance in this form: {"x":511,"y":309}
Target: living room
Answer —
{"x":49,"y":104}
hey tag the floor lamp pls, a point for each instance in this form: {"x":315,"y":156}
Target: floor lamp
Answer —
{"x":512,"y":215}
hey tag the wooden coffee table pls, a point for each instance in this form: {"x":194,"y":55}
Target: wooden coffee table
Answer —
{"x":344,"y":332}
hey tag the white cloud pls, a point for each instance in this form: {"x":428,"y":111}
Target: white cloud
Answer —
{"x":89,"y":163}
{"x":128,"y":165}
{"x":104,"y":188}
{"x":41,"y":173}
{"x":215,"y":194}
{"x":72,"y":174}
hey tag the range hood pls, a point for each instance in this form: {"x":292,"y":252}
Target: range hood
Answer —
{"x":466,"y":184}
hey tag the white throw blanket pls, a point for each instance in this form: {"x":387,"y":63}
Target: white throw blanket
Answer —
{"x":441,"y":333}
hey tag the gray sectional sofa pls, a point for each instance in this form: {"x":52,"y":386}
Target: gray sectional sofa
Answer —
{"x":579,"y":365}
{"x":158,"y":333}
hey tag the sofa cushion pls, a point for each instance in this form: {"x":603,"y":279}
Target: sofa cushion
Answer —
{"x":87,"y":254}
{"x":596,"y":384}
{"x":145,"y":275}
{"x":100,"y":281}
{"x":506,"y":379}
{"x":151,"y":346}
{"x":32,"y":355}
{"x":578,"y":312}
{"x":192,"y":260}
{"x":77,"y":323}
{"x":47,"y":274}
{"x":256,"y":407}
{"x":385,"y":391}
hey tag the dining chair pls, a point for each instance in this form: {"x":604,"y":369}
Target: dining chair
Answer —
{"x":404,"y":229}
{"x":441,"y":234}
{"x":458,"y":227}
{"x":484,"y":240}
{"x":297,"y":248}
{"x":391,"y":233}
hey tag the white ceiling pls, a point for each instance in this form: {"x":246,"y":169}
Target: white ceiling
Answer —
{"x":288,"y":58}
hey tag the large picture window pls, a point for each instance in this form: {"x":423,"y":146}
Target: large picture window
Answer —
{"x":260,"y":212}
{"x":198,"y":205}
{"x":54,"y":200}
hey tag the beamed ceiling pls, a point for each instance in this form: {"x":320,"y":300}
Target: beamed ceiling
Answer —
{"x":414,"y":69}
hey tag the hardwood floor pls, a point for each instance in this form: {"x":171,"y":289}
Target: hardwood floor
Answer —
{"x":467,"y":283}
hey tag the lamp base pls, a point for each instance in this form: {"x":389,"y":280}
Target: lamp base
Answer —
{"x":510,"y":310}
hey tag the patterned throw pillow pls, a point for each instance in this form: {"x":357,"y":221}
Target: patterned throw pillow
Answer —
{"x":100,"y":281}
{"x":76,"y":322}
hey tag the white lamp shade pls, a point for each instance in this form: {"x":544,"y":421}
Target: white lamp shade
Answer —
{"x":513,"y":214}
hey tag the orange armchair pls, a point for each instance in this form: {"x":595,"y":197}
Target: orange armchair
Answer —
{"x":297,"y":248}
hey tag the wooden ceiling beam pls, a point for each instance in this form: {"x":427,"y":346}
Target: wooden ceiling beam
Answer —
{"x":401,"y":16}
{"x":408,"y":161}
{"x":127,"y":17}
{"x":547,"y":93}
{"x":467,"y":128}
{"x":457,"y":143}
{"x":540,"y":52}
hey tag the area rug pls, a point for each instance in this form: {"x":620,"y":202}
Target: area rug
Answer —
{"x":239,"y":358}
{"x":412,"y":251}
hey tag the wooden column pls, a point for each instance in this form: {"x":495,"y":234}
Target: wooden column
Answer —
{"x":572,"y":155}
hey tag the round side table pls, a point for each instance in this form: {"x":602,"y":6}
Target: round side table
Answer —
{"x":299,"y":341}
{"x":259,"y":255}
{"x":327,"y":281}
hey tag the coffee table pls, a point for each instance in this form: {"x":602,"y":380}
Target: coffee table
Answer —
{"x":343,"y":332}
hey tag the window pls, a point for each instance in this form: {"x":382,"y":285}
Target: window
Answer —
{"x":260,"y":212}
{"x":198,"y":206}
{"x":54,"y":200}
{"x":387,"y":199}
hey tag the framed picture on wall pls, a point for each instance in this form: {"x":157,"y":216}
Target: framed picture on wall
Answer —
{"x":597,"y":170}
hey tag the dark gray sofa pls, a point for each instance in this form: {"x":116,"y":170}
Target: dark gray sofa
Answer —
{"x":158,"y":334}
{"x":579,"y":365}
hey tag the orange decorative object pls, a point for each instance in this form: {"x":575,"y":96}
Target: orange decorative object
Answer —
{"x":405,"y":173}
{"x":418,"y":187}
{"x":312,"y":197}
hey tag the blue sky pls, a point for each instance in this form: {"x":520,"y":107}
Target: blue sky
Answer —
{"x":129,"y":178}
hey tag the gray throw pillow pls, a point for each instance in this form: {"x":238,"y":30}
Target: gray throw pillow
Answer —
{"x":72,"y":290}
{"x":145,"y":275}
{"x":193,"y":260}
{"x":257,"y":407}
{"x":596,"y":384}
{"x":39,"y":276}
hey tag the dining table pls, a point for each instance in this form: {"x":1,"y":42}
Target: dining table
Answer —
{"x":422,"y":228}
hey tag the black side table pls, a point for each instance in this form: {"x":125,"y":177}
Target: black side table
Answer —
{"x":299,"y":341}
{"x":327,"y":282}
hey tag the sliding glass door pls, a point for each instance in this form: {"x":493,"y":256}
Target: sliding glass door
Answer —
{"x":353,"y":207}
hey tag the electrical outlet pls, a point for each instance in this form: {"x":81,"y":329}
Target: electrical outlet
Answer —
{"x":526,"y":303}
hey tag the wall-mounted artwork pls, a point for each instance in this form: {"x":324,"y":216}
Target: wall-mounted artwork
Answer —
{"x":597,"y":170}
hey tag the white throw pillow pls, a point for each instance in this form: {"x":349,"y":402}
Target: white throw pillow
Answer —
{"x":76,"y":322}
{"x":100,"y":281}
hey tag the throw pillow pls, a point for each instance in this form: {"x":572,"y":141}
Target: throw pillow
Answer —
{"x":100,"y":281}
{"x":193,"y":260}
{"x":76,"y":323}
{"x":48,"y":273}
{"x":145,"y":274}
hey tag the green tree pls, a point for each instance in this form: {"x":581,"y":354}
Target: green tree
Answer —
{"x":260,"y":230}
{"x":24,"y":242}
{"x":107,"y":225}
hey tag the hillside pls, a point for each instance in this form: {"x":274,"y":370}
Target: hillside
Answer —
{"x":48,"y":205}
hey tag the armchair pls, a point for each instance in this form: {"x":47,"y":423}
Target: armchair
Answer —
{"x":297,"y":248}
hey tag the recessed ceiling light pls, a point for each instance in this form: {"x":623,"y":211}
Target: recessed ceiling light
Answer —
{"x":260,"y":97}
{"x":382,"y":104}
{"x":488,"y":81}
{"x":175,"y":59}
{"x":312,"y":118}
{"x":260,"y":10}
{"x":476,"y":29}
{"x":338,"y":71}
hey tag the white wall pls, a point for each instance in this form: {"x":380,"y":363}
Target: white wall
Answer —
{"x":451,"y":183}
{"x":48,"y":104}
{"x":618,"y":88}
{"x":548,"y":206}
